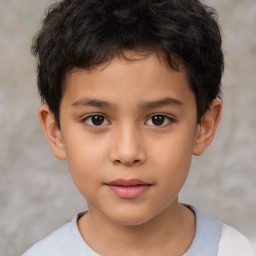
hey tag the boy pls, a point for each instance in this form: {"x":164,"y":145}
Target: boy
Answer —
{"x":131,"y":91}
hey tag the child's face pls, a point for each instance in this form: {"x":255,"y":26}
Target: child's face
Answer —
{"x":129,"y":131}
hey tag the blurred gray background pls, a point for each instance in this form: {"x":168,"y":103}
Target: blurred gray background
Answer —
{"x":36,"y":191}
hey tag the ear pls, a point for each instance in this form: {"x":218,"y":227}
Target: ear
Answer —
{"x":207,"y":127}
{"x":51,"y":131}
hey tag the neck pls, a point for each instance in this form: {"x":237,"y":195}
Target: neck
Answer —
{"x":171,"y":231}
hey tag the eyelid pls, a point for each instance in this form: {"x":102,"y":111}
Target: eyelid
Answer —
{"x":170,"y":118}
{"x":85,"y":118}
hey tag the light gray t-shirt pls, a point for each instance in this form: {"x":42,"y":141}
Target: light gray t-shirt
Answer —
{"x":212,"y":238}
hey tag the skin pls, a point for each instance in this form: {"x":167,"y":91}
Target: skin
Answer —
{"x":128,"y":144}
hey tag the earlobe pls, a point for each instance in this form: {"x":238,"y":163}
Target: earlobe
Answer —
{"x":51,"y":131}
{"x":207,"y":127}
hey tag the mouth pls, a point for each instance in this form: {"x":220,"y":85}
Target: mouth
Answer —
{"x":128,"y":189}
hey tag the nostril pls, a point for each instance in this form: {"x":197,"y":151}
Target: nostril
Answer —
{"x":128,"y":163}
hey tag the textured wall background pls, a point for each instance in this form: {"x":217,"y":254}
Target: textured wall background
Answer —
{"x":36,"y":191}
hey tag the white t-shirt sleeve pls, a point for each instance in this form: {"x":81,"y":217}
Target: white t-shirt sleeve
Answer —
{"x":233,"y":243}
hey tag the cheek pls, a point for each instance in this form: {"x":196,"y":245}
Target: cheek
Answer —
{"x":173,"y":157}
{"x":173,"y":174}
{"x":85,"y":159}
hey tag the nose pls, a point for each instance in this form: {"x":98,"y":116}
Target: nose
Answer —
{"x":127,"y":147}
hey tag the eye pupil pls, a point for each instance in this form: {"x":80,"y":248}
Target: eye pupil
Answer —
{"x":97,"y":120}
{"x":158,"y":120}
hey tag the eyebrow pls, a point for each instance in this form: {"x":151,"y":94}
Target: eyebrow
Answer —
{"x":91,"y":103}
{"x":162,"y":103}
{"x":147,"y":105}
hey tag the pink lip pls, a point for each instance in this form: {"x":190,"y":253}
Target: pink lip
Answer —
{"x":128,"y":189}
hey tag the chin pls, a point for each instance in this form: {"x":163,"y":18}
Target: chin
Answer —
{"x":130,"y":217}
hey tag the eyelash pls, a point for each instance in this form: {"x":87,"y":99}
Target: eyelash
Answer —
{"x":85,"y":120}
{"x":166,"y":118}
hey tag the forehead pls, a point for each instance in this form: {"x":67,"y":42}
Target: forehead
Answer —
{"x":138,"y":76}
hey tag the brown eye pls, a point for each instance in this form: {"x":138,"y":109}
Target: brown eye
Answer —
{"x":96,"y":120}
{"x":158,"y":120}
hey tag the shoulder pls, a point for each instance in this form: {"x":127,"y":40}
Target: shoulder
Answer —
{"x":233,"y":243}
{"x":54,"y":244}
{"x":212,"y":237}
{"x":65,"y":241}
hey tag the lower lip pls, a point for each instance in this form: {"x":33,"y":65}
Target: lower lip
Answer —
{"x":129,"y":192}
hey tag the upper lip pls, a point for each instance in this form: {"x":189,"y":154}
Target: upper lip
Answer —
{"x":126,"y":183}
